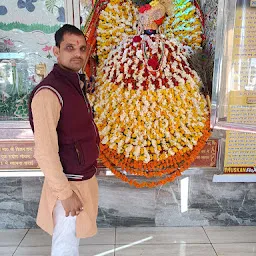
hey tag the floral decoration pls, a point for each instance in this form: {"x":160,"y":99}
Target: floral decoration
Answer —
{"x":137,"y":39}
{"x":152,"y":119}
{"x":28,"y":4}
{"x":51,"y":5}
{"x":145,"y":8}
{"x":184,"y":24}
{"x":154,"y":3}
{"x":8,"y":43}
{"x":61,"y":17}
{"x":3,"y":10}
{"x":48,"y":48}
{"x":115,"y":22}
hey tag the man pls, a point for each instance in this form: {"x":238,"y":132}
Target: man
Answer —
{"x":66,"y":147}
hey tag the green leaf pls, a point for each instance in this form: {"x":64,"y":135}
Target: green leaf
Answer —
{"x":49,"y":4}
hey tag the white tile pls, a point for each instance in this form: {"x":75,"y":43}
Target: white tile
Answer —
{"x":161,"y":235}
{"x":239,"y":234}
{"x":104,"y":236}
{"x":167,"y":250}
{"x":11,"y":237}
{"x":36,"y":237}
{"x":85,"y":250}
{"x":97,"y":250}
{"x":33,"y":251}
{"x":7,"y":251}
{"x":237,"y":249}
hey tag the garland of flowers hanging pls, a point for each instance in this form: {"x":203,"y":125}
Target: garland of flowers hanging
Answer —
{"x":184,"y":24}
{"x":115,"y":22}
{"x":119,"y":19}
{"x":152,"y":119}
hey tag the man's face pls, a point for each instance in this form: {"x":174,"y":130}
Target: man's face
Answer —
{"x":72,"y":52}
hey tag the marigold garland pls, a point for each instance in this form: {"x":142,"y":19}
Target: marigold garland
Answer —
{"x":119,"y":20}
{"x":115,"y":22}
{"x":168,"y":174}
{"x":164,"y":167}
{"x":184,"y":24}
{"x":152,"y":119}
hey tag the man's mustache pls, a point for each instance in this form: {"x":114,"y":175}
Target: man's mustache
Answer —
{"x":76,"y":59}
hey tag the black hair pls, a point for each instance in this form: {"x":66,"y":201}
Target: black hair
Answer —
{"x":66,"y":29}
{"x":141,"y":2}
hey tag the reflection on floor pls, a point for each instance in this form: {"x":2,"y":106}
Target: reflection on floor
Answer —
{"x":141,"y":241}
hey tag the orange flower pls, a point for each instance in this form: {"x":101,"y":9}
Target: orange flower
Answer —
{"x":164,"y":170}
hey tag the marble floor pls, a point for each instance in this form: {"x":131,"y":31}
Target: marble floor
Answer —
{"x":141,"y":241}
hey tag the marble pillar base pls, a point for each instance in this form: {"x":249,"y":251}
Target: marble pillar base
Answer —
{"x":206,"y":203}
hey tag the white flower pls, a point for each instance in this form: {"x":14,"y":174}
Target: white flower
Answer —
{"x":139,"y":54}
{"x":122,"y":116}
{"x":152,"y":87}
{"x":147,"y":156}
{"x":129,"y":148}
{"x":119,"y":78}
{"x":105,"y":140}
{"x":105,"y":130}
{"x":137,"y":151}
{"x":127,"y":139}
{"x":129,"y":86}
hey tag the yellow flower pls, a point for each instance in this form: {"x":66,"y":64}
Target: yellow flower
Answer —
{"x":154,"y":3}
{"x":142,"y":158}
{"x":175,"y":149}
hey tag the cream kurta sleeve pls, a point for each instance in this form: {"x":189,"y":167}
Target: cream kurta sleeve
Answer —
{"x":46,"y":113}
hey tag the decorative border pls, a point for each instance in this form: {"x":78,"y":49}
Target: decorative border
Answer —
{"x":29,"y":28}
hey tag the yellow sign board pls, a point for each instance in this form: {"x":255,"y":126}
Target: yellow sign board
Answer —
{"x":240,"y":152}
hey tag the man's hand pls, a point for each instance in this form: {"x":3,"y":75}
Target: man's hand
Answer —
{"x":72,"y":205}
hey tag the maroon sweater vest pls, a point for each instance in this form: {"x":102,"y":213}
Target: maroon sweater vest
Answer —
{"x":78,"y":136}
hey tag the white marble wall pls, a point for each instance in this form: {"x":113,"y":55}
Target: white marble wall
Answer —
{"x":207,"y":203}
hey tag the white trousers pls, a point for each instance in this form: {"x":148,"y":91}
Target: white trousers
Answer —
{"x":64,"y":240}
